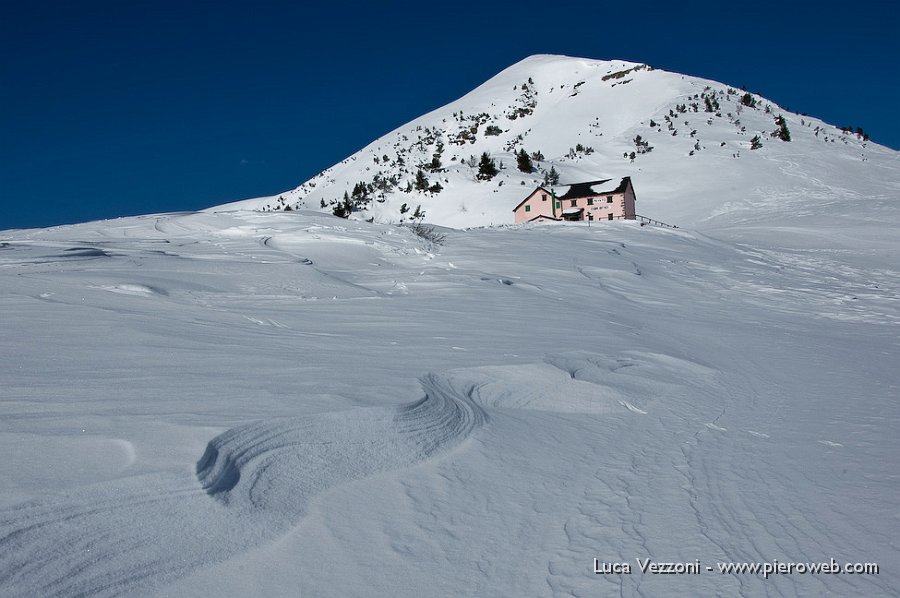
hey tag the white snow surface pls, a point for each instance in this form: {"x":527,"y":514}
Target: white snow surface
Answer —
{"x":607,"y":187}
{"x":293,"y":404}
{"x":237,"y":403}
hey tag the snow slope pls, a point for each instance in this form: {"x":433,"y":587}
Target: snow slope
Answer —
{"x":700,"y":173}
{"x":244,"y":403}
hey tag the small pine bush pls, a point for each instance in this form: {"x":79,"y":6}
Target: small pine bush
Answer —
{"x":552,"y":177}
{"x":487,"y":168}
{"x":421,"y":183}
{"x":523,"y":162}
{"x":343,"y":208}
{"x":782,"y":131}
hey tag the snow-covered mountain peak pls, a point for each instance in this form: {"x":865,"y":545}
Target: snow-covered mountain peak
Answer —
{"x":700,"y":153}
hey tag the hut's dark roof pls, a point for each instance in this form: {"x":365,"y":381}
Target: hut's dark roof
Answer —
{"x":588,"y":189}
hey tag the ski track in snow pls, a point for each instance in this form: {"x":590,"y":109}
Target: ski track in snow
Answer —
{"x":255,"y":481}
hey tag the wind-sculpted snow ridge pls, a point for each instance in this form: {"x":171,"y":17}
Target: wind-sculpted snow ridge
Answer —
{"x":256,"y":481}
{"x":278,"y":466}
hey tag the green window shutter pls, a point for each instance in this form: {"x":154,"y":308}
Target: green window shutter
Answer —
{"x":527,"y":208}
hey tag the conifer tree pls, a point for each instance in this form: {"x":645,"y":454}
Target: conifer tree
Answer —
{"x":523,"y":162}
{"x":487,"y":168}
{"x":642,"y":145}
{"x":344,"y":208}
{"x":552,"y":177}
{"x":782,"y":131}
{"x":421,"y":181}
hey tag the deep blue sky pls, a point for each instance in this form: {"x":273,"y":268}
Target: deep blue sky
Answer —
{"x":130,"y":107}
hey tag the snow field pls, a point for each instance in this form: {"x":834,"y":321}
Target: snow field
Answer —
{"x":291,"y":403}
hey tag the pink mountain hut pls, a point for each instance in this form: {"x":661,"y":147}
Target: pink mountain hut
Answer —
{"x":609,"y":199}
